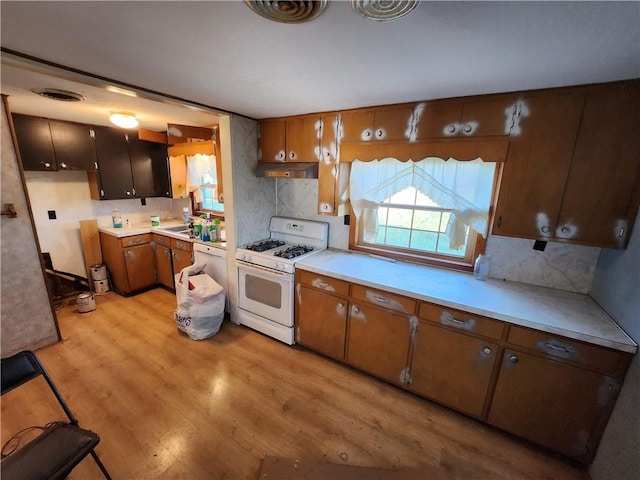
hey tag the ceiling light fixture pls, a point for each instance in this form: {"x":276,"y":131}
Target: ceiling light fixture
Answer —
{"x":123,"y":119}
{"x":383,"y":10}
{"x":288,"y":11}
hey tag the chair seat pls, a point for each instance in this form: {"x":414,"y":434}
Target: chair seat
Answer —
{"x":51,"y":455}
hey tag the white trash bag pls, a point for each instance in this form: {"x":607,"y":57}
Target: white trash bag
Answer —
{"x":200,"y":303}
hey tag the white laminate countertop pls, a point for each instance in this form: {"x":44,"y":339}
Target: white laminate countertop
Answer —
{"x":569,"y":314}
{"x":140,"y":229}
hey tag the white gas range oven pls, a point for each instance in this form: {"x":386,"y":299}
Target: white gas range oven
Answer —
{"x":266,"y":274}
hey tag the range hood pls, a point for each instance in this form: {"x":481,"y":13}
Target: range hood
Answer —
{"x":287,"y":170}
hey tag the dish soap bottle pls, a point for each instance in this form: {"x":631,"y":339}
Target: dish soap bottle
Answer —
{"x":481,"y":267}
{"x":117,"y":218}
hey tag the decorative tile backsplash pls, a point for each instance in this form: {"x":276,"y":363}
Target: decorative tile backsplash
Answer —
{"x":561,"y":266}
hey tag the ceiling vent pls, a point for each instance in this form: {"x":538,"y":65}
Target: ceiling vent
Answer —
{"x":60,"y":95}
{"x":288,"y":11}
{"x":382,"y":10}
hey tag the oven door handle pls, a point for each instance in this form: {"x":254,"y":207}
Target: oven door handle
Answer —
{"x":260,"y":269}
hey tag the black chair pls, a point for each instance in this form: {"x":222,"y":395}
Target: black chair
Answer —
{"x":60,"y":447}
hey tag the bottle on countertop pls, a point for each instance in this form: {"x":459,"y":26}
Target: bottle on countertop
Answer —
{"x":205,"y":230}
{"x":482,"y":267}
{"x":117,"y":218}
{"x":215,"y":231}
{"x":185,"y":213}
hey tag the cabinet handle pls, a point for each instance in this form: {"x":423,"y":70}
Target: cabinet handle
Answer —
{"x":128,"y":193}
{"x":558,"y":347}
{"x":486,"y":351}
{"x":381,"y":299}
{"x":341,"y":305}
{"x":280,"y":155}
{"x":620,"y":235}
{"x":468,"y":128}
{"x":565,"y":229}
{"x":323,"y":284}
{"x":451,"y":129}
{"x":47,"y":165}
{"x":292,"y":155}
{"x":500,"y":220}
{"x":356,"y":309}
{"x":546,"y":229}
{"x":513,"y":359}
{"x":379,"y":133}
{"x":63,"y":165}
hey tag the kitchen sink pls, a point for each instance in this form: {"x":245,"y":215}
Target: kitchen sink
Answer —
{"x":176,"y":228}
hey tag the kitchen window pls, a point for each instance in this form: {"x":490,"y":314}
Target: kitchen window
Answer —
{"x":202,"y":180}
{"x":431,"y":211}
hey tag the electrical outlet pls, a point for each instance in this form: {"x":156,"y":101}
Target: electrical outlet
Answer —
{"x":52,"y":214}
{"x":539,"y":245}
{"x":143,"y":201}
{"x":347,"y":219}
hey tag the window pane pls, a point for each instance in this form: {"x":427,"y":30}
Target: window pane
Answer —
{"x":426,"y":220}
{"x":444,"y":247}
{"x":424,"y":241}
{"x":398,"y":237}
{"x":400,"y":217}
{"x":382,"y":215}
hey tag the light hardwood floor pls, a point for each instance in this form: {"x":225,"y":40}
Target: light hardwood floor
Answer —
{"x":166,"y":406}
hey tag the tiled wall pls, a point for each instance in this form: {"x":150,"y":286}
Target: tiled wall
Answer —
{"x":27,"y":321}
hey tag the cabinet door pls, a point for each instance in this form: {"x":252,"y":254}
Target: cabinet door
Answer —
{"x":73,"y":145}
{"x":164,"y":266}
{"x":271,"y":141}
{"x":34,"y":142}
{"x":114,"y":166}
{"x":393,"y":124}
{"x":378,"y":342}
{"x":438,"y":119}
{"x":605,"y":169}
{"x":537,"y":166}
{"x":333,"y":175}
{"x":452,"y":368}
{"x":488,"y":117}
{"x":550,"y":403}
{"x":140,"y":263}
{"x":181,"y":259}
{"x":357,"y":126}
{"x":303,"y":139}
{"x":321,"y":322}
{"x":149,"y":167}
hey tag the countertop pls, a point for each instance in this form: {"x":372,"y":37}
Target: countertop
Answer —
{"x":569,"y":314}
{"x":140,"y":229}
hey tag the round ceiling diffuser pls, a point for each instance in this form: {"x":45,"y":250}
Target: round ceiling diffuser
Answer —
{"x":382,"y":10}
{"x":60,"y":95}
{"x":288,"y":11}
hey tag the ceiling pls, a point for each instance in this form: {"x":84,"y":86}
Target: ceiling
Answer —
{"x":222,"y":55}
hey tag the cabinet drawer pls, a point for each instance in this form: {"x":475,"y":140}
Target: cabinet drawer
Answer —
{"x":563,"y":348}
{"x":384,"y":299}
{"x":134,"y":240}
{"x":465,"y":321}
{"x":181,"y":245}
{"x":162,"y":240}
{"x":321,"y":282}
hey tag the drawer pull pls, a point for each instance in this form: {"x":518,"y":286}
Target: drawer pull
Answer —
{"x":379,"y":299}
{"x":558,"y":347}
{"x":486,"y":351}
{"x":137,"y":242}
{"x":449,"y":320}
{"x":323,"y":284}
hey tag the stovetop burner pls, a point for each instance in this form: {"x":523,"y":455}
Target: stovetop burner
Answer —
{"x":293,"y":252}
{"x":265,"y":245}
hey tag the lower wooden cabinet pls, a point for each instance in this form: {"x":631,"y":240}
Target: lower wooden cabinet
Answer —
{"x":130,"y":261}
{"x":322,"y":322}
{"x":181,"y":253}
{"x":378,"y":342}
{"x":555,"y":391}
{"x":452,"y":368}
{"x":172,"y":255}
{"x":164,"y":267}
{"x":551,"y":403}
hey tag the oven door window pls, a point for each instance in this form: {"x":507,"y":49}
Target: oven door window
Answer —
{"x":262,"y":290}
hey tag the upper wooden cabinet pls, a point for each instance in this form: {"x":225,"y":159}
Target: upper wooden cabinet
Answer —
{"x":73,"y":145}
{"x":54,"y":144}
{"x":295,"y":139}
{"x":385,"y":123}
{"x":128,"y":167}
{"x":572,"y":169}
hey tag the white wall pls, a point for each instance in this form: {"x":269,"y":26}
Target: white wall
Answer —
{"x":27,"y":319}
{"x":67,"y":192}
{"x":616,"y":288}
